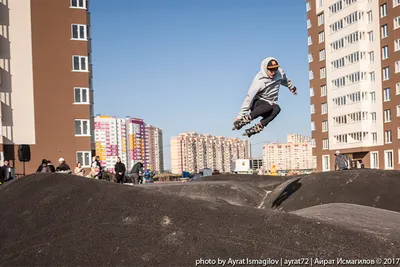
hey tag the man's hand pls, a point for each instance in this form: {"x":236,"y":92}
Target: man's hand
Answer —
{"x":294,"y":90}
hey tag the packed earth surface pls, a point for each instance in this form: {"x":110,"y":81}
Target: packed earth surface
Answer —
{"x":344,"y":217}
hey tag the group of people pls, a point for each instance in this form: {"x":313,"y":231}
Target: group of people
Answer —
{"x":96,"y":170}
{"x":47,"y":166}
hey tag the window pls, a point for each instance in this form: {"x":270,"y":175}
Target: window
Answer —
{"x":79,"y":63}
{"x":324,"y":126}
{"x":308,"y":6}
{"x":313,"y":143}
{"x":387,"y":115}
{"x":397,"y":67}
{"x":386,"y":75}
{"x":386,"y":94}
{"x":78,"y":3}
{"x":322,"y":73}
{"x":388,"y":136}
{"x":398,"y":110}
{"x":374,"y":160}
{"x":321,"y":19}
{"x":398,"y":156}
{"x":371,"y":36}
{"x":314,"y":162}
{"x":309,"y":40}
{"x":396,"y":3}
{"x":389,"y":159}
{"x":369,"y":13}
{"x":312,"y":109}
{"x":319,"y":3}
{"x":396,"y":45}
{"x":310,"y":74}
{"x":373,"y":97}
{"x":372,"y":76}
{"x":84,"y":157}
{"x":396,"y":22}
{"x":322,"y":54}
{"x":325,"y":163}
{"x":397,"y":88}
{"x":78,"y":32}
{"x":385,"y":52}
{"x":324,"y":108}
{"x":81,"y":95}
{"x":373,"y":117}
{"x":398,"y":134}
{"x":323,"y":90}
{"x":384,"y":31}
{"x":374,"y":138}
{"x":308,"y":23}
{"x":383,"y":10}
{"x":311,"y":91}
{"x":312,"y":126}
{"x":321,"y":37}
{"x":82,"y":127}
{"x":310,"y":57}
{"x":371,"y":57}
{"x":325,"y":143}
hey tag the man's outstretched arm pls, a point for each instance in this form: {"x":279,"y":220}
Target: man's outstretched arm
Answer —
{"x":288,"y":83}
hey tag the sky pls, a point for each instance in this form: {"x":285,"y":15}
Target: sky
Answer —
{"x":186,"y":65}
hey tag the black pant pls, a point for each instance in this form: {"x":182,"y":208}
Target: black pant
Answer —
{"x":267,"y":111}
{"x":120,"y":178}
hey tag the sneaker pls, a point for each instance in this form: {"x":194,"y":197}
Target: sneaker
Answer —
{"x":253,"y":130}
{"x":238,"y":124}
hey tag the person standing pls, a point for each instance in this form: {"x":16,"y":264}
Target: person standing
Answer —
{"x":120,"y":171}
{"x":340,"y":161}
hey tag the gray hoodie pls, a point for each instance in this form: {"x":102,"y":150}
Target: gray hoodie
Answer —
{"x":265,"y":88}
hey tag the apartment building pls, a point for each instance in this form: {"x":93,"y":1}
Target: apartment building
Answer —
{"x":138,"y":147}
{"x":156,"y":150}
{"x":191,"y":152}
{"x":295,"y":154}
{"x":46,"y":81}
{"x":110,"y":141}
{"x":131,"y":140}
{"x":354,"y":72}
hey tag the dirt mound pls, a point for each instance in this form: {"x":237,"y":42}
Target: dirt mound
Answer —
{"x":382,"y":223}
{"x":374,"y":188}
{"x":66,"y":220}
{"x":235,"y":193}
{"x":263,"y":181}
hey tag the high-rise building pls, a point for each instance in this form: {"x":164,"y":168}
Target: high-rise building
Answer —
{"x":191,"y":152}
{"x":296,"y":154}
{"x":156,"y":151}
{"x":137,"y":142}
{"x":46,"y":92}
{"x":131,"y":140}
{"x":354,"y":72}
{"x":111,"y":142}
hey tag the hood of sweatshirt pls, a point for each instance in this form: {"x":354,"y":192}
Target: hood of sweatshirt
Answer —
{"x":263,"y":70}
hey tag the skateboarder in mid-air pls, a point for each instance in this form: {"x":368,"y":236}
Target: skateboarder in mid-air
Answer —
{"x":262,"y":97}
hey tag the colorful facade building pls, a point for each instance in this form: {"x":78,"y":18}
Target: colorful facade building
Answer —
{"x":130,"y":139}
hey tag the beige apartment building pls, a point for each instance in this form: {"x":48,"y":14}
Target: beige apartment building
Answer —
{"x":156,"y":150}
{"x":191,"y":152}
{"x":295,"y":154}
{"x":46,"y":81}
{"x":354,"y":72}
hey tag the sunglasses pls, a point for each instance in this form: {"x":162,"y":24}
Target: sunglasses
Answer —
{"x":274,"y":69}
